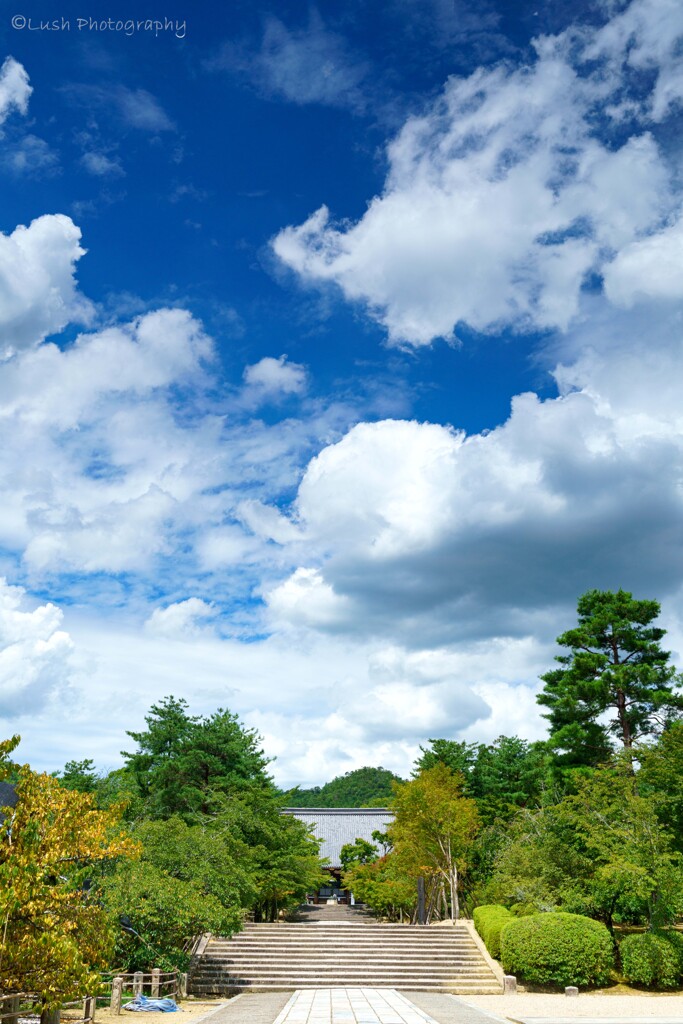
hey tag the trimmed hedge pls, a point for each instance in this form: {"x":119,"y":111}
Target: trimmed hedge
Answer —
{"x":560,"y":949}
{"x":653,"y":959}
{"x":489,"y":922}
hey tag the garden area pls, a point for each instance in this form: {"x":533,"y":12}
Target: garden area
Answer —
{"x":567,"y":853}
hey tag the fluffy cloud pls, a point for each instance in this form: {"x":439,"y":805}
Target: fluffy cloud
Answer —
{"x":417,"y":531}
{"x":499,"y":204}
{"x":35,"y":654}
{"x":14,"y":88}
{"x":645,"y":36}
{"x":270,"y":379}
{"x":650,"y":268}
{"x":181,"y":620}
{"x":38,"y":294}
{"x":136,"y":466}
{"x":323,"y":706}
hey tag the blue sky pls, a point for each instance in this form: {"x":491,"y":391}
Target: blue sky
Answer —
{"x":341,"y":352}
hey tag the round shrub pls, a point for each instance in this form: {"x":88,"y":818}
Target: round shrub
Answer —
{"x":560,"y":949}
{"x":652,"y":959}
{"x":489,"y":922}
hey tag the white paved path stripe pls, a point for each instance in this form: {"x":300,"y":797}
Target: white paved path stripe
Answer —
{"x":351,"y":1006}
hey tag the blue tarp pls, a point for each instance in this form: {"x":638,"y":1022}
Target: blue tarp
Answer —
{"x":144,"y":1003}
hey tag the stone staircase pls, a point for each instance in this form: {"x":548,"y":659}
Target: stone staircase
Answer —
{"x":343,"y":951}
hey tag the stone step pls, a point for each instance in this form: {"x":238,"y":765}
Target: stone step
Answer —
{"x":455,"y":988}
{"x":343,"y":940}
{"x":336,"y":955}
{"x":301,"y":970}
{"x":330,"y":948}
{"x":282,"y":957}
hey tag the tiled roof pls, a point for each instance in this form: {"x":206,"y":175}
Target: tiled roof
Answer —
{"x":337,"y":826}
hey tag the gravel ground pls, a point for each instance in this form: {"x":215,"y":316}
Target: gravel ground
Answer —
{"x":585,"y":1005}
{"x":191,"y":1011}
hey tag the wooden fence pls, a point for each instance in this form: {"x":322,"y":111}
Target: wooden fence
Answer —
{"x":114,"y":992}
{"x":30,"y":1004}
{"x":156,"y":983}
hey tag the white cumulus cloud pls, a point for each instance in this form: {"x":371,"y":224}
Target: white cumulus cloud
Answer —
{"x":38,"y":293}
{"x":14,"y":88}
{"x":500,"y":203}
{"x":35,"y":654}
{"x":271,"y":379}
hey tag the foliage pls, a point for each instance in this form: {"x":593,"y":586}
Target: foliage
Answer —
{"x":458,"y":756}
{"x":190,"y":879}
{"x":601,"y":851}
{"x":280,"y":853}
{"x":183,"y":762}
{"x":489,"y":922}
{"x":194,"y":878}
{"x":383,"y":886}
{"x":615,"y":664}
{"x":364,"y":787}
{"x":508,"y":774}
{"x":54,"y":933}
{"x":537,"y":864}
{"x":651,"y":959}
{"x":661,"y":778}
{"x":559,"y":949}
{"x":433,"y":831}
{"x":501,"y":776}
{"x":79,"y":775}
{"x":358,"y":852}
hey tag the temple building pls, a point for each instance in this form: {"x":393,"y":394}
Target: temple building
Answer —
{"x":337,"y":826}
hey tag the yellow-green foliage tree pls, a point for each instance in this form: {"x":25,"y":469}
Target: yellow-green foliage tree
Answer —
{"x":433,"y":832}
{"x":53,"y":936}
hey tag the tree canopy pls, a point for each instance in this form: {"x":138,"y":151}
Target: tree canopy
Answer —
{"x":184,"y":762}
{"x":616,"y":666}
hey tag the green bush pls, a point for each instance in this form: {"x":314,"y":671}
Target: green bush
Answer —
{"x":653,"y":959}
{"x":560,"y":949}
{"x":489,"y":922}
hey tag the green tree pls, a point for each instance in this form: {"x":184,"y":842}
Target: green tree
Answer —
{"x":661,"y":777}
{"x":508,"y":774}
{"x":458,"y":756}
{"x":615,"y":664}
{"x":358,"y":852}
{"x":183,"y":762}
{"x":433,"y":832}
{"x":384,"y":886}
{"x":79,"y":775}
{"x":190,"y":879}
{"x":280,"y":853}
{"x":600,"y":851}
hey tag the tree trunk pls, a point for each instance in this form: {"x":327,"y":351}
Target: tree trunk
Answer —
{"x":624,"y":724}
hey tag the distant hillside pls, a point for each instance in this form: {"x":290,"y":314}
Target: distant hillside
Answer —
{"x":364,"y":787}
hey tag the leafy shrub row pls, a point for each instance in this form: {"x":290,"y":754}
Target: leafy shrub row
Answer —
{"x":653,"y":959}
{"x":489,"y":922}
{"x":560,"y":949}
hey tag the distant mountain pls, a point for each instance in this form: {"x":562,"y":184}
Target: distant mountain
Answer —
{"x":364,"y":787}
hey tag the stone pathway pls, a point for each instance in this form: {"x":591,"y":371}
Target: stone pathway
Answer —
{"x":351,"y":1006}
{"x":347,"y":1006}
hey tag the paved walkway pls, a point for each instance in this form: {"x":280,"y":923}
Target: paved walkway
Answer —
{"x":348,"y":1006}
